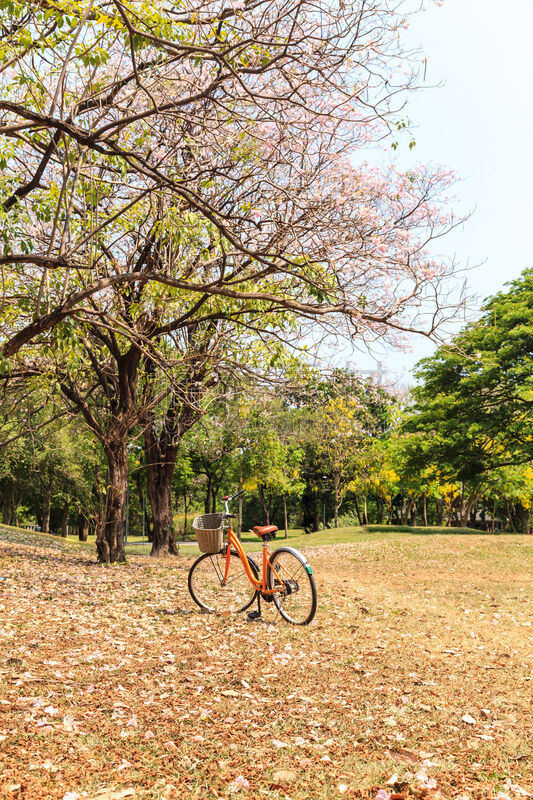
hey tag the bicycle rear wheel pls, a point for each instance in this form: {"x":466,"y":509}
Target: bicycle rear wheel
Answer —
{"x":297,"y":600}
{"x":205,"y":583}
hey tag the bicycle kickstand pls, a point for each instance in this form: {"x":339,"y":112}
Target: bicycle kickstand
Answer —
{"x":256,"y":614}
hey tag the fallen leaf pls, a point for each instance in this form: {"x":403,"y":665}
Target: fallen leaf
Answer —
{"x":403,"y":755}
{"x":239,"y":784}
{"x":170,"y":746}
{"x":282,"y":778}
{"x":69,"y":723}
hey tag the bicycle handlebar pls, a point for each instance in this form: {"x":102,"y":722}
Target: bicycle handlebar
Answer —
{"x":227,"y":501}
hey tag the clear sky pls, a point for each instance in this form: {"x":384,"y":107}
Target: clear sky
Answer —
{"x":479,"y":121}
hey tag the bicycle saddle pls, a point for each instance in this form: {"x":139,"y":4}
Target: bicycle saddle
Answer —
{"x":264,"y":530}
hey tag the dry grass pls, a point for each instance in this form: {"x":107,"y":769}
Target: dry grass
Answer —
{"x":113,"y":685}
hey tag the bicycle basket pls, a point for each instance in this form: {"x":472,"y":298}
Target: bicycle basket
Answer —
{"x":209,"y":532}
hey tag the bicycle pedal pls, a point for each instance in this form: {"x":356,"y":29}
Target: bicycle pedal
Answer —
{"x":254,"y":614}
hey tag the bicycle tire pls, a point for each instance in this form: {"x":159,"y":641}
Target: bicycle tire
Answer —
{"x":300,"y":582}
{"x":205,"y":583}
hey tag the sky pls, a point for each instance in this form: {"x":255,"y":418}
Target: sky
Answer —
{"x":476,"y":116}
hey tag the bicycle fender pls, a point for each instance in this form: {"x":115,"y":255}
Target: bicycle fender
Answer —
{"x":307,"y":566}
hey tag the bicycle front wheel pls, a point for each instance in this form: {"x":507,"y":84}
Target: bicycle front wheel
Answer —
{"x":291,"y":573}
{"x":206,"y":587}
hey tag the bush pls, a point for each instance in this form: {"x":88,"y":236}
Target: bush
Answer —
{"x":345,"y":521}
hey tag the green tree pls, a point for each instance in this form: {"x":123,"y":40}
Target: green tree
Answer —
{"x":270,"y":465}
{"x":475,"y":399}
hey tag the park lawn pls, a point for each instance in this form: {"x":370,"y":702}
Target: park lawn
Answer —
{"x":418,"y":665}
{"x":296,"y":538}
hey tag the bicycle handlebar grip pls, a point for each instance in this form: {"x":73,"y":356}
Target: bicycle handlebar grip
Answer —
{"x":238,"y":494}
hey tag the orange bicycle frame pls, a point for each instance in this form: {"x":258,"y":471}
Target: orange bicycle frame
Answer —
{"x":259,"y":585}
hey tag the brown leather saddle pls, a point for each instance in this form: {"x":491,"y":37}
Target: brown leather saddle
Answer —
{"x":265,"y":531}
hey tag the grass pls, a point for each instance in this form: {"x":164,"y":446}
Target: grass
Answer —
{"x":420,"y":529}
{"x":417,"y":669}
{"x":296,"y":537}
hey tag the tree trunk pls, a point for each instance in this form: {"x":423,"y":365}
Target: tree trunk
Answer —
{"x":110,"y":535}
{"x":413,"y":513}
{"x":404,"y":518}
{"x":520,"y":519}
{"x":239,"y":518}
{"x":264,"y":504}
{"x":425,"y":510}
{"x":14,"y":505}
{"x":466,"y":509}
{"x":83,"y":527}
{"x":365,"y":511}
{"x":207,"y":502}
{"x":64,"y":521}
{"x":149,"y":527}
{"x":358,"y":511}
{"x":439,"y":505}
{"x":185,"y":512}
{"x":510,"y":516}
{"x":449,"y":514}
{"x":272,"y":508}
{"x":285,"y":516}
{"x":161,"y":463}
{"x":46,"y":511}
{"x":311,"y":510}
{"x":336,"y":502}
{"x":6,"y":505}
{"x":379,"y":510}
{"x":163,"y":536}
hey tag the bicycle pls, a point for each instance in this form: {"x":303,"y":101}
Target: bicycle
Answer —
{"x":228,"y":580}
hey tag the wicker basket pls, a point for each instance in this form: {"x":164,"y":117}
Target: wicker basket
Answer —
{"x":209,"y":532}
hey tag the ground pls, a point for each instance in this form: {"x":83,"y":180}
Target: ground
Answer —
{"x":415,"y":679}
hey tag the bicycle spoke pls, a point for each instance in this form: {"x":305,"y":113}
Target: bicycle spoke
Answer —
{"x":216,"y":567}
{"x":296,"y":601}
{"x":207,"y":587}
{"x":295,"y":576}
